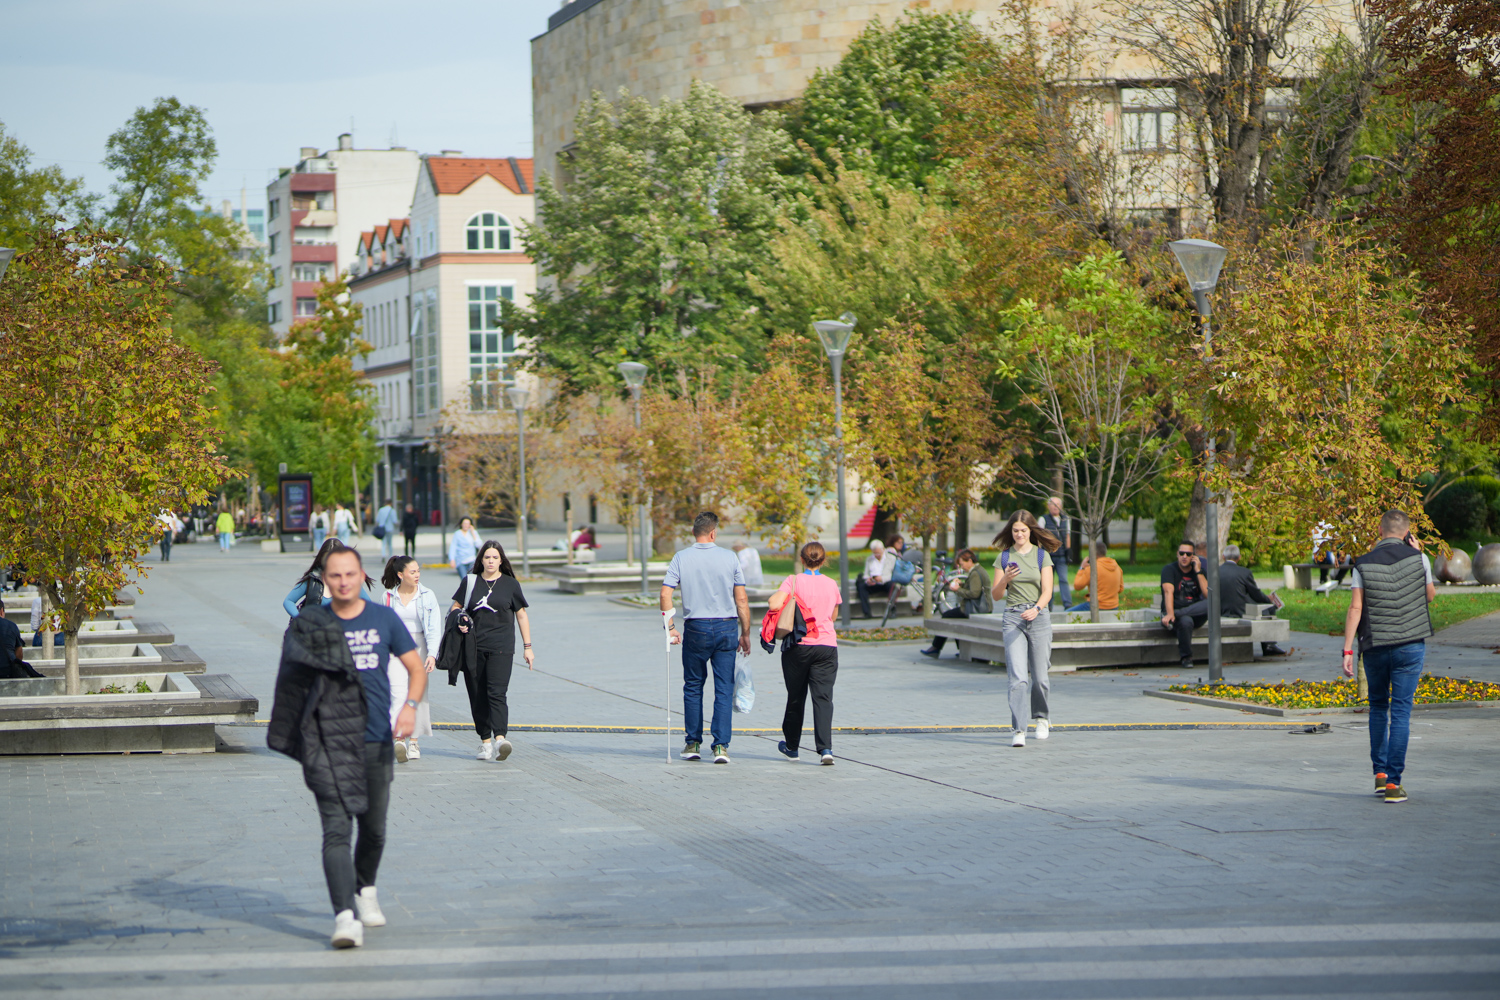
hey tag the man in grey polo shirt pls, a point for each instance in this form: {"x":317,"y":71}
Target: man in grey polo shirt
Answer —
{"x":714,"y":609}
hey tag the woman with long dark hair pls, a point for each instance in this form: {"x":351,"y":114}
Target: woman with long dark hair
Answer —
{"x":309,"y":587}
{"x":418,"y":608}
{"x":1023,"y":578}
{"x":812,"y":665}
{"x":494,"y":601}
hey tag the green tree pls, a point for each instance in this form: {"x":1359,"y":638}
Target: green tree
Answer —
{"x":317,"y":414}
{"x":878,"y":108}
{"x":646,"y":250}
{"x":104,"y":417}
{"x":31,"y":198}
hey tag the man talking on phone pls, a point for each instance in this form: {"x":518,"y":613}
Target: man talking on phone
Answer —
{"x":1184,"y":600}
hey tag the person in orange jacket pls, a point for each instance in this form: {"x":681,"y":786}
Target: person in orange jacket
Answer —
{"x":1111,"y":581}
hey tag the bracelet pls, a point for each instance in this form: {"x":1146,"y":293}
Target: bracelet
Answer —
{"x":1348,"y":652}
{"x":525,"y":645}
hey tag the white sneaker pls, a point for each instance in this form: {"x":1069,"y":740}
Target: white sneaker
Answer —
{"x":412,"y":753}
{"x":502,"y":748}
{"x":347,"y":931}
{"x":368,"y":907}
{"x":1043,"y":729}
{"x":401,"y":753}
{"x":1018,"y":740}
{"x":486,"y":751}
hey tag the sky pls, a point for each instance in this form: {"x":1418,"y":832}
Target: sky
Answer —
{"x":271,"y":76}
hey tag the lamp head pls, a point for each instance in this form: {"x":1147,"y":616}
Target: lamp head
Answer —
{"x":1201,"y":262}
{"x":634,"y":374}
{"x":834,"y":335}
{"x":6,"y":253}
{"x":518,"y":396}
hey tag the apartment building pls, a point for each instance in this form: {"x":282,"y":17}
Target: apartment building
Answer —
{"x":431,"y":285}
{"x":316,"y":211}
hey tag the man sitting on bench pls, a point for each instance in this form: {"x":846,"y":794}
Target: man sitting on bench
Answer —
{"x":1237,"y":585}
{"x":1184,"y":599}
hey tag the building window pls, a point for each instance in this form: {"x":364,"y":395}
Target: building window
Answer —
{"x":275,"y":277}
{"x":275,"y":243}
{"x":273,"y":209}
{"x":489,"y":349}
{"x":307,"y":307}
{"x":309,"y":272}
{"x":273,"y":313}
{"x":489,"y":231}
{"x":426,"y":391}
{"x":1148,"y":118}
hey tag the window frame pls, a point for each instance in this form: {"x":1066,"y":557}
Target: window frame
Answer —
{"x":495,"y":348}
{"x":499,"y":229}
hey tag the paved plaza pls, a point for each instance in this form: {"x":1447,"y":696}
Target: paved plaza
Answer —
{"x":1231,"y":858}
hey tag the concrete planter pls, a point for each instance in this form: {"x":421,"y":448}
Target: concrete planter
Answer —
{"x":601,"y":578}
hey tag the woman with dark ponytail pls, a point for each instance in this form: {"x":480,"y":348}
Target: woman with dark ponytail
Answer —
{"x":494,"y":601}
{"x":418,"y":608}
{"x":812,"y":665}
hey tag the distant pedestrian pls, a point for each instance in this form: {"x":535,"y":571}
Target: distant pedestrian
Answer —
{"x":170,"y":526}
{"x":1237,"y":588}
{"x":876,"y":579}
{"x":1057,"y":525}
{"x":13,"y":663}
{"x":1023,"y":577}
{"x":1389,"y":616}
{"x":386,"y":520}
{"x":493,"y":599}
{"x":224,"y":525}
{"x":1184,"y":595}
{"x":714,"y":603}
{"x":409,"y":524}
{"x":343,"y":523}
{"x":972,"y":588}
{"x":812,"y":665}
{"x":319,"y":526}
{"x":749,"y":564}
{"x":418,"y":608}
{"x":464,"y":548}
{"x":331,"y":712}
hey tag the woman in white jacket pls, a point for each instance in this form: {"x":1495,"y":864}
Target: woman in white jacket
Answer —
{"x":418,"y":609}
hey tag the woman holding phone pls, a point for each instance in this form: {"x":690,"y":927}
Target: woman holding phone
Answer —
{"x":1024,"y":580}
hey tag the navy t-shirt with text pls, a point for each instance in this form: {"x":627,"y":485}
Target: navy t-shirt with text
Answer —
{"x":375,"y":635}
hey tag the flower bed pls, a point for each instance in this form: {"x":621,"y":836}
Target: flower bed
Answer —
{"x":1340,"y":693}
{"x":903,"y":633}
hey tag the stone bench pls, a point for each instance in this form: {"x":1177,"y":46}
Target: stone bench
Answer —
{"x":177,"y":716}
{"x":114,"y":631}
{"x":603,"y":578}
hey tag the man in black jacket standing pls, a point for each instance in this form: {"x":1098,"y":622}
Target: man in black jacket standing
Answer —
{"x":409,"y":523}
{"x":1056,"y":522}
{"x":1237,"y":588}
{"x":333,"y":713}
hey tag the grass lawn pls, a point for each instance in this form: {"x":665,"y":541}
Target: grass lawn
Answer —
{"x":1341,"y":693}
{"x":1311,"y":612}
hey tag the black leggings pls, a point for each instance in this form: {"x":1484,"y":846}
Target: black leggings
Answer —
{"x":809,"y":669}
{"x":488,"y":683}
{"x":347,"y":876}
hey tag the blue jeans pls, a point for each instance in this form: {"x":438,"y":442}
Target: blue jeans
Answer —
{"x":705,"y":640}
{"x":318,"y":535}
{"x":225,"y":538}
{"x":1392,"y":672}
{"x":464,"y":569}
{"x":1060,"y":583}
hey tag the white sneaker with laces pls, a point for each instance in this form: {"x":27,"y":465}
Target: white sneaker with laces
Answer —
{"x":502,"y":748}
{"x":1018,"y":739}
{"x":412,"y":753}
{"x":348,"y":932}
{"x":401,"y":752}
{"x":368,"y":907}
{"x":486,"y":751}
{"x":1043,"y":729}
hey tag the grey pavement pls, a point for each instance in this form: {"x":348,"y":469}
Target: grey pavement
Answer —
{"x":1140,"y":863}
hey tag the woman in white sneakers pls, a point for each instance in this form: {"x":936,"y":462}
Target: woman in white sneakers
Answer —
{"x":493,"y":600}
{"x":1023,"y":579}
{"x":417,"y":607}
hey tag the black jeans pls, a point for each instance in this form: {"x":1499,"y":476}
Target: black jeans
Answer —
{"x":347,"y":875}
{"x":411,"y":545}
{"x":488,"y":683}
{"x":809,"y":669}
{"x":1187,"y":619}
{"x":939,"y":641}
{"x":864,"y":590}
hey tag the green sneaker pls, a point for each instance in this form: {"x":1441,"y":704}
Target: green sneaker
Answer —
{"x":1380,"y":784}
{"x":721,"y":754}
{"x":1394,"y":793}
{"x":690,"y":752}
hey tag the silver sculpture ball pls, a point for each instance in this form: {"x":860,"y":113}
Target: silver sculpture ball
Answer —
{"x":1456,"y":567}
{"x":1487,"y":564}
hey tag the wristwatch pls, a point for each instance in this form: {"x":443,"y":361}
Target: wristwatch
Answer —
{"x":410,"y":703}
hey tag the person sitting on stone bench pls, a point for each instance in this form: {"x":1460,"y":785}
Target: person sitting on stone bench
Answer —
{"x":876,"y":579}
{"x":1111,"y":581}
{"x":973,"y":596}
{"x":1237,"y":587}
{"x":1184,"y":599}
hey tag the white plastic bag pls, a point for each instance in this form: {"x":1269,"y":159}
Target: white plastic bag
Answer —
{"x":744,"y":685}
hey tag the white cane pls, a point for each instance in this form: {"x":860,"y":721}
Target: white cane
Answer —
{"x":666,"y":629}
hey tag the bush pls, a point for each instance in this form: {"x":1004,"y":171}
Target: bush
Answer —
{"x":1461,"y":510}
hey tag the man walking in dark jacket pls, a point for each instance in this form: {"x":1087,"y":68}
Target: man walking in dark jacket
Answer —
{"x":409,"y":525}
{"x":333,"y":713}
{"x":1237,"y":588}
{"x":1056,"y":522}
{"x":1389,"y":618}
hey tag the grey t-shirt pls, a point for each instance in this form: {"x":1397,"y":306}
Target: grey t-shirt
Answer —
{"x":707,"y":576}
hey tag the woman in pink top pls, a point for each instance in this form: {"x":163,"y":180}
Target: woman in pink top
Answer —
{"x":812,"y":664}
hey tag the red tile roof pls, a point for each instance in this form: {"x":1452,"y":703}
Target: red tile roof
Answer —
{"x":398,"y":227}
{"x":453,"y":174}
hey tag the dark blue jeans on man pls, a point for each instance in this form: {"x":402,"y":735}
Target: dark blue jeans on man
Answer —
{"x":705,"y":641}
{"x":1392,"y":673}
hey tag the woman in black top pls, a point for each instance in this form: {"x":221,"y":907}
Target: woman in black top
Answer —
{"x":493,"y":599}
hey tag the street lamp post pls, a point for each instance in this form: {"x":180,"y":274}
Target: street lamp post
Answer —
{"x":634,"y":374}
{"x":834,"y":336}
{"x":518,"y":398}
{"x":1201,"y":262}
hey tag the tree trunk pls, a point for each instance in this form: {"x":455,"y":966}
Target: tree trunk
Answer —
{"x":569,"y":531}
{"x":71,"y":683}
{"x":1363,"y":683}
{"x":961,"y":526}
{"x":1135,"y":530}
{"x":1197,"y":521}
{"x":1093,"y":584}
{"x":629,"y":543}
{"x":926,"y":577}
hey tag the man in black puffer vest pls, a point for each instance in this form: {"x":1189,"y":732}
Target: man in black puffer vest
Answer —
{"x":1389,"y":617}
{"x":333,"y":713}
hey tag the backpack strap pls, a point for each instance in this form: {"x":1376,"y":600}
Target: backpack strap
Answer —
{"x":470,"y":582}
{"x":1038,"y":558}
